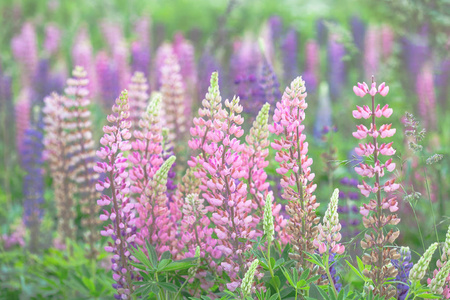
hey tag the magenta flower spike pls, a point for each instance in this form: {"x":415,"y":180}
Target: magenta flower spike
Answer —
{"x":148,"y":177}
{"x":24,"y":49}
{"x":427,"y":97}
{"x":82,"y":55}
{"x":374,"y":217}
{"x":372,"y":46}
{"x":221,"y":169}
{"x":116,"y":204}
{"x":138,"y":95}
{"x":173,"y":93}
{"x":255,"y":154}
{"x":292,"y":155}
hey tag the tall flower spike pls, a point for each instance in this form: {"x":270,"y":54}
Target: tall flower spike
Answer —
{"x":337,"y":72}
{"x":138,"y":94}
{"x":33,"y":184}
{"x":220,"y":168}
{"x":444,"y":260}
{"x":255,"y":153}
{"x":118,"y":207}
{"x":268,"y":219}
{"x":437,"y":283}
{"x":403,"y":265}
{"x":419,"y":270}
{"x":298,"y":188}
{"x":373,"y":216}
{"x":81,"y":152}
{"x":151,"y":197}
{"x":82,"y":56}
{"x":173,"y":93}
{"x":249,"y":277}
{"x":56,"y":146}
{"x":24,"y":49}
{"x":329,"y":236}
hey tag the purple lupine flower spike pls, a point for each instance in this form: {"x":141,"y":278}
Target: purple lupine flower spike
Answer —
{"x":108,"y":79}
{"x":403,"y":265}
{"x":358,"y":32}
{"x":427,"y":98}
{"x":322,"y":32}
{"x":24,"y":49}
{"x":33,"y":184}
{"x":372,"y":51}
{"x":312,"y":67}
{"x":337,"y":73}
{"x":82,"y":55}
{"x":52,"y":39}
{"x":324,"y":113}
{"x":442,"y":78}
{"x":276,"y":28}
{"x":290,"y":55}
{"x":416,"y":51}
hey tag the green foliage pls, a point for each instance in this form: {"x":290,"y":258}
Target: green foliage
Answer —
{"x":57,"y":274}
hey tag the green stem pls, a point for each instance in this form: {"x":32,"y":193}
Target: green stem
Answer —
{"x":270,"y":269}
{"x":330,"y":278}
{"x":431,"y":206}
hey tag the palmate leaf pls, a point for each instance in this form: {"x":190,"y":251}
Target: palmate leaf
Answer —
{"x":152,"y":255}
{"x":166,"y":286}
{"x":142,"y":258}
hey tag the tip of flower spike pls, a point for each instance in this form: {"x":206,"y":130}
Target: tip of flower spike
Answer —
{"x":161,"y":174}
{"x":298,"y":83}
{"x":154,"y":106}
{"x":123,"y":98}
{"x":79,"y":72}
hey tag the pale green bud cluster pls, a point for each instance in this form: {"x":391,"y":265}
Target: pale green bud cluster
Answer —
{"x":446,"y":249}
{"x":331,"y":217}
{"x":247,"y":282}
{"x":154,"y":107}
{"x":419,"y":269}
{"x":161,"y":174}
{"x":437,"y":283}
{"x":268,"y":219}
{"x":263,"y":116}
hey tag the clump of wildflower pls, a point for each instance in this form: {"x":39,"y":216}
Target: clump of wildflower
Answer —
{"x":56,"y":146}
{"x":380,"y":256}
{"x":220,"y":168}
{"x":298,"y":188}
{"x":80,"y":151}
{"x":118,"y":207}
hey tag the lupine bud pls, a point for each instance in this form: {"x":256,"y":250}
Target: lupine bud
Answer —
{"x":268,"y":218}
{"x":247,"y":282}
{"x":437,"y":283}
{"x":419,"y":269}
